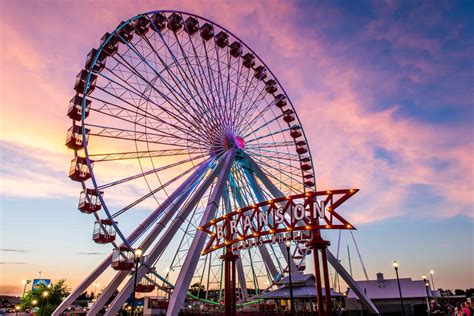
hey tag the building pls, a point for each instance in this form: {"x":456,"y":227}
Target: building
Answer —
{"x":304,"y":293}
{"x":385,"y":294}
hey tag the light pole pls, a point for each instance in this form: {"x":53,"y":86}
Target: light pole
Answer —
{"x":45,"y":295}
{"x":33,"y":303}
{"x":288,"y":244}
{"x":25,"y":283}
{"x":96,"y":285}
{"x":137,"y":255}
{"x":395,"y":265}
{"x":17,"y":308}
{"x":427,"y":284}
{"x":432,"y":279}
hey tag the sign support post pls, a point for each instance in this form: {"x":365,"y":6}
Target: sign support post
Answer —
{"x":229,"y":259}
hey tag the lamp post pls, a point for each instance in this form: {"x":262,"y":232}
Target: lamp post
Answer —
{"x":25,"y":283}
{"x":45,"y":296}
{"x":427,"y":284}
{"x":395,"y":265}
{"x":17,"y":308}
{"x":288,"y":244}
{"x":432,"y":279}
{"x":96,"y":285}
{"x":33,"y":303}
{"x":137,"y":255}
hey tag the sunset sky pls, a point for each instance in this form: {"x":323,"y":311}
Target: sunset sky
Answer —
{"x":384,"y":90}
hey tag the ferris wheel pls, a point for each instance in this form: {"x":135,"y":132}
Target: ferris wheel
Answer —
{"x":176,"y":121}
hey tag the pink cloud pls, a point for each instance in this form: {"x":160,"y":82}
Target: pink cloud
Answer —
{"x":342,"y":131}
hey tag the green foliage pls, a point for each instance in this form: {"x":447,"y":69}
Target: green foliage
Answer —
{"x":197,"y":289}
{"x":46,"y":305}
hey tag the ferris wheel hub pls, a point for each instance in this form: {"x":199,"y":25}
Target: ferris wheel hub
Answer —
{"x":231,"y":141}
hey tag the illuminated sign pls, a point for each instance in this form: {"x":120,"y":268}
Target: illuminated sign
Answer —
{"x":37,"y":283}
{"x":278,"y":220}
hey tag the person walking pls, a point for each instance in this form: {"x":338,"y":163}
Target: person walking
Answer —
{"x":466,"y":310}
{"x":458,"y":310}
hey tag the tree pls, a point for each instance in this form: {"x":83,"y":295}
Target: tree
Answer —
{"x":56,"y":293}
{"x":197,"y":289}
{"x":459,"y":292}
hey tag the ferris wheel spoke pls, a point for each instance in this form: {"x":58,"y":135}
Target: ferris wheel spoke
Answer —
{"x":284,"y":171}
{"x":222,"y":106}
{"x":141,"y":154}
{"x":170,"y":88}
{"x":197,"y":114}
{"x":270,"y":174}
{"x":243,"y":97}
{"x":134,"y":91}
{"x":178,"y":106}
{"x":136,"y":136}
{"x":233,"y":92}
{"x":264,"y":125}
{"x":250,"y":103}
{"x":140,"y":175}
{"x":253,"y":104}
{"x":222,"y":88}
{"x":250,"y":122}
{"x":116,"y":111}
{"x":206,"y":104}
{"x":151,"y":193}
{"x":276,"y":154}
{"x":280,"y":162}
{"x":193,"y":77}
{"x":203,"y":78}
{"x":213,"y":86}
{"x":251,"y":140}
{"x":271,"y":144}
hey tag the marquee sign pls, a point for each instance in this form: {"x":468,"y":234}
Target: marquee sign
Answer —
{"x":290,"y":217}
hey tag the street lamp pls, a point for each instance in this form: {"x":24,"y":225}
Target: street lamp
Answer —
{"x":96,"y":285}
{"x":33,"y":303}
{"x":395,"y":265}
{"x":432,"y":279}
{"x":17,"y":308}
{"x":427,"y":285}
{"x":423,"y":276}
{"x":45,"y":295}
{"x":288,"y":244}
{"x":137,"y":255}
{"x":25,"y":283}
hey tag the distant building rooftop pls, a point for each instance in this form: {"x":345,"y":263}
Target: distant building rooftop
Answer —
{"x":388,"y":288}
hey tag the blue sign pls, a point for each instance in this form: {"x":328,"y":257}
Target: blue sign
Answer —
{"x":38,"y":282}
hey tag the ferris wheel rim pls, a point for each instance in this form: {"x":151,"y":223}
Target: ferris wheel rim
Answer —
{"x":90,"y":71}
{"x":121,"y":25}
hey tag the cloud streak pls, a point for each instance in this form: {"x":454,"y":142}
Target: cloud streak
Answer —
{"x":14,"y":250}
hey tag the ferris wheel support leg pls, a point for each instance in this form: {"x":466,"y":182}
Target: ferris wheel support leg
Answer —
{"x":260,"y":197}
{"x":132,"y":237}
{"x":267,"y":259}
{"x":167,"y":236}
{"x":187,"y":270}
{"x":365,"y":300}
{"x":83,"y":286}
{"x":238,"y":263}
{"x":120,"y":276}
{"x":241,"y":276}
